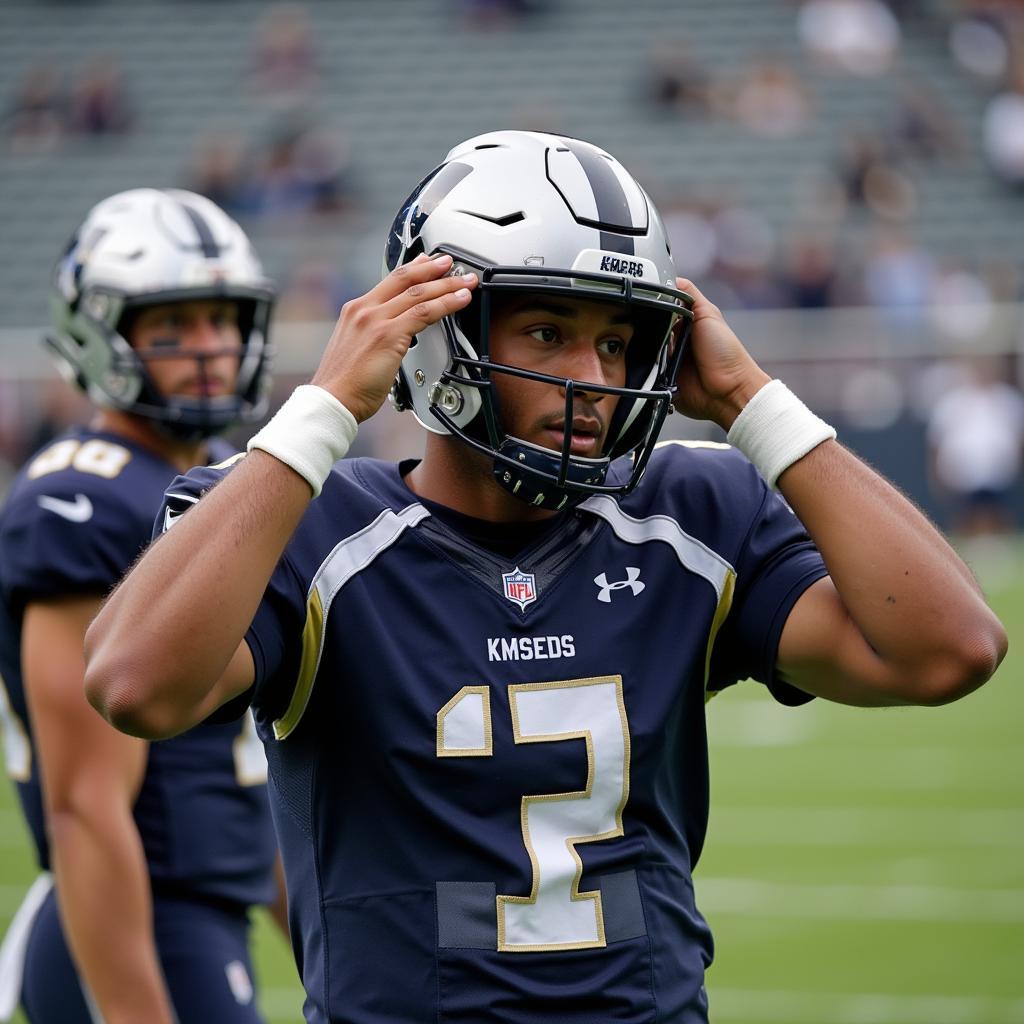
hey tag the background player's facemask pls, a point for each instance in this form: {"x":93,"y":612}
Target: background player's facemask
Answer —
{"x":146,"y":247}
{"x":535,"y":213}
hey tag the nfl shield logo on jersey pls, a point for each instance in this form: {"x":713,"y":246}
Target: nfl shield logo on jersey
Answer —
{"x":520,"y":587}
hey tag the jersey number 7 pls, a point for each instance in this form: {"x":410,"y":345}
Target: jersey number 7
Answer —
{"x":555,"y":915}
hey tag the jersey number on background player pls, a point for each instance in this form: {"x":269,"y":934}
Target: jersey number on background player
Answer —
{"x":100,"y":458}
{"x":556,"y":915}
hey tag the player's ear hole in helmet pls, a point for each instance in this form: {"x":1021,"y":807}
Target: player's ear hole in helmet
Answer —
{"x":148,"y":247}
{"x":531,"y":212}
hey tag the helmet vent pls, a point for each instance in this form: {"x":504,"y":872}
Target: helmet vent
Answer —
{"x":502,"y":222}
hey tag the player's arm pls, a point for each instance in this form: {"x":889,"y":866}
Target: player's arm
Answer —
{"x":167,"y":647}
{"x":91,"y":777}
{"x":900,"y":619}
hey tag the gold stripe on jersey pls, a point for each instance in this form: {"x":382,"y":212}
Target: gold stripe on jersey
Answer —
{"x":311,"y":633}
{"x":721,"y":613}
{"x":347,"y":558}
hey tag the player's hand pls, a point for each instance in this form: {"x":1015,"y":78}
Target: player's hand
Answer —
{"x":718,"y":376}
{"x":374,"y":332}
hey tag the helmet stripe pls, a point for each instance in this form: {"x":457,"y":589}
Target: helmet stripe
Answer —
{"x":206,"y":240}
{"x":609,"y":196}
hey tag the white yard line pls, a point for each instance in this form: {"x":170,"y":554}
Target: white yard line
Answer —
{"x":746,"y":1006}
{"x":749,"y":897}
{"x":876,"y":826}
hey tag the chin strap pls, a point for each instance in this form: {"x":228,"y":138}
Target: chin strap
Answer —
{"x":521,"y":475}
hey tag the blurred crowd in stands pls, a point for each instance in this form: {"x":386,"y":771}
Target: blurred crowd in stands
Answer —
{"x":47,"y":110}
{"x":297,"y":168}
{"x":873,"y":176}
{"x":295,"y":173}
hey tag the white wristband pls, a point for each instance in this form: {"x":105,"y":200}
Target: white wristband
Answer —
{"x":310,"y":433}
{"x":775,"y":429}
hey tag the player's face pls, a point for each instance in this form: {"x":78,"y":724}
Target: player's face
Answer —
{"x":190,"y":348}
{"x":561,"y":337}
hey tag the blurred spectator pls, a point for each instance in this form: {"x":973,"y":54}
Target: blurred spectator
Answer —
{"x":889,"y":193}
{"x":37,"y":117}
{"x":976,"y":434}
{"x":872,"y":180}
{"x":818,"y":197}
{"x":216,"y":169}
{"x":1004,"y":278}
{"x":692,"y":237}
{"x":920,"y":126}
{"x":979,"y":39}
{"x":99,"y":104}
{"x":771,"y":100}
{"x":961,"y":309}
{"x":315,"y":292}
{"x":906,"y":10}
{"x":493,"y":15}
{"x":676,"y":82}
{"x":899,"y":276}
{"x":862,"y":150}
{"x":746,"y":250}
{"x":283,"y":60}
{"x":809,"y":273}
{"x":857,"y":37}
{"x":871,"y":397}
{"x":304,"y":169}
{"x":1003,"y":132}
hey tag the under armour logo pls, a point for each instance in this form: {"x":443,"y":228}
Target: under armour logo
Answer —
{"x":632,"y":581}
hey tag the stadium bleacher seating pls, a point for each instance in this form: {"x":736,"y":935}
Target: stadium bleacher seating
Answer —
{"x":402,"y":81}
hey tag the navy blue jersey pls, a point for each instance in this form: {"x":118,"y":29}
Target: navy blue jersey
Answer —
{"x":77,"y":516}
{"x":490,"y":773}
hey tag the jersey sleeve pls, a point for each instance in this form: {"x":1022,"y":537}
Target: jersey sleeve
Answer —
{"x":776,"y":563}
{"x":274,"y":637}
{"x":75,"y":537}
{"x":275,"y":640}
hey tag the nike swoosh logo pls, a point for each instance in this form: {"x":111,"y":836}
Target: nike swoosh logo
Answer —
{"x":77,"y":511}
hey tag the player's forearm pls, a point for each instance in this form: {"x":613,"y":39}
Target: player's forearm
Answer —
{"x":104,"y":896}
{"x":166,"y":635}
{"x":912,"y":598}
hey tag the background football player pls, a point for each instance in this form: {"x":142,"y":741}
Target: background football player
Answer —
{"x":157,"y":851}
{"x":466,"y":838}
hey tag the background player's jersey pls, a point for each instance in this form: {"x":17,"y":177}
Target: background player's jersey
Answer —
{"x":491,"y":773}
{"x":77,"y":516}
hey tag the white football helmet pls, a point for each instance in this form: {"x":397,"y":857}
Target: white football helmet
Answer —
{"x":535,"y":212}
{"x":152,"y":246}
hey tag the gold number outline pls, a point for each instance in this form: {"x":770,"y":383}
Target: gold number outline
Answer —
{"x":527,"y":800}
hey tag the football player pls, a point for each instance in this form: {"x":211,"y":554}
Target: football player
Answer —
{"x":156,"y":851}
{"x":481,"y":677}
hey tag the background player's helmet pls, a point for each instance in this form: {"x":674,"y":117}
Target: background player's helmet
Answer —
{"x":145,"y":247}
{"x":536,"y":212}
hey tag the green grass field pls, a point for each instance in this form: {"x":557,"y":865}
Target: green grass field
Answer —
{"x":862,"y":867}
